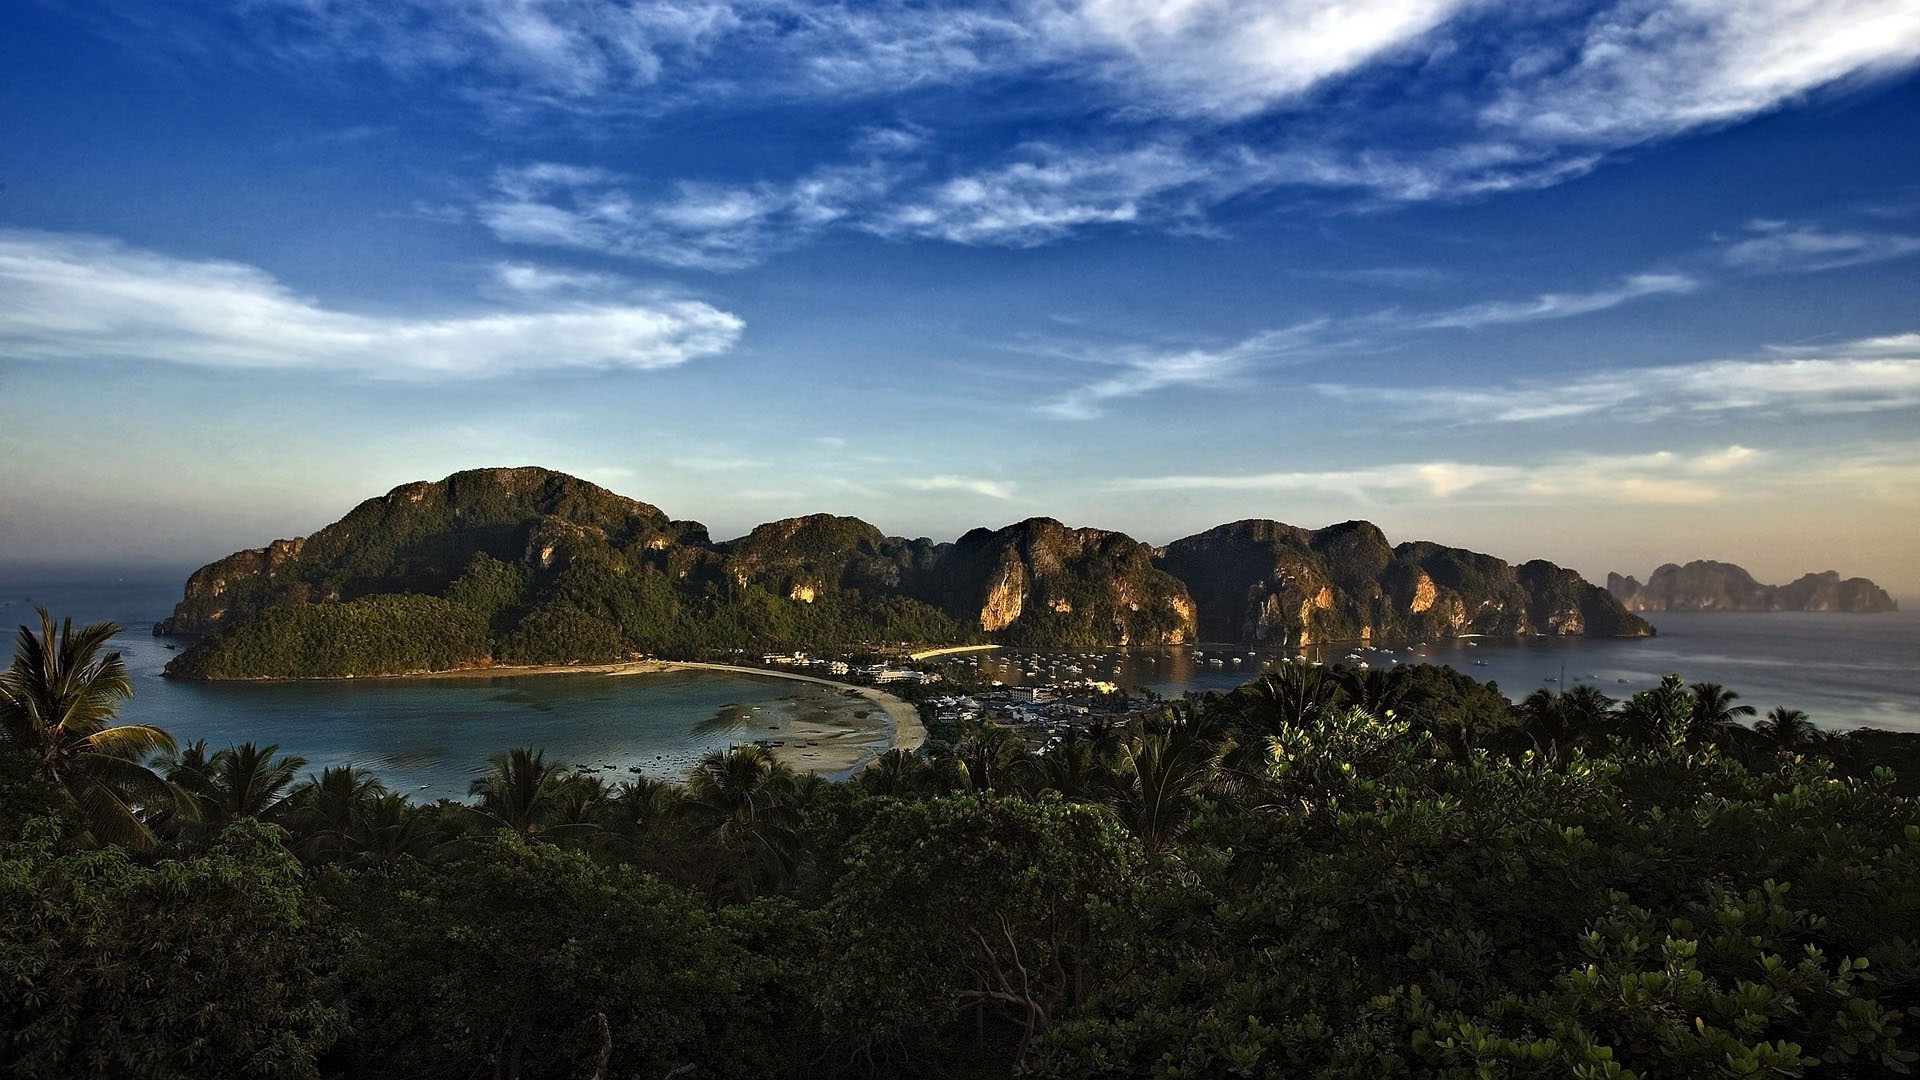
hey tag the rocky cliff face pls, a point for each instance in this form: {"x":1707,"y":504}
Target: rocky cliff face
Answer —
{"x":1704,"y":585}
{"x":1042,"y":583}
{"x":1268,"y":581}
{"x":559,"y":569}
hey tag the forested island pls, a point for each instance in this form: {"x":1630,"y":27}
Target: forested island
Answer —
{"x":1704,"y":585}
{"x":530,"y":566}
{"x":1324,"y":873}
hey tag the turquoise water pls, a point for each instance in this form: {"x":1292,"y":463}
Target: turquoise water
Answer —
{"x":431,"y":737}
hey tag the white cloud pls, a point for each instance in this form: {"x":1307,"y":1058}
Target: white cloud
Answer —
{"x":1646,"y":69}
{"x":1234,"y":58}
{"x":1560,"y":305}
{"x":528,"y":279}
{"x":1146,"y":100}
{"x":1874,"y":375}
{"x":65,"y":297}
{"x":992,"y":489}
{"x":1221,"y":57}
{"x":1134,"y":370}
{"x":1775,"y":246}
{"x":1046,"y":194}
{"x":700,"y":225}
{"x":1660,"y":477}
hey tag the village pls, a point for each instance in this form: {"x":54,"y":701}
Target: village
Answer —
{"x":963,"y":695}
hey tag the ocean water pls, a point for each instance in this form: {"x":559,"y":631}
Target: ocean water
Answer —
{"x":430,"y":738}
{"x":1845,"y":671}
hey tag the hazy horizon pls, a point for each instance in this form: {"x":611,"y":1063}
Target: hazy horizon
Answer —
{"x":164,"y":567}
{"x":1611,"y":283}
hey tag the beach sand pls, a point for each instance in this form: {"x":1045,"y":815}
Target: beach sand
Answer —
{"x":826,"y":734}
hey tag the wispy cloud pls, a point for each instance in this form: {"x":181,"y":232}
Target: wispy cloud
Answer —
{"x":1874,"y":375}
{"x":700,"y":225}
{"x":1150,"y":103}
{"x":1134,"y":370}
{"x":1647,"y":69}
{"x":972,"y":485}
{"x":1660,"y":477}
{"x":65,"y":297}
{"x":1781,"y":246}
{"x":1559,"y":305}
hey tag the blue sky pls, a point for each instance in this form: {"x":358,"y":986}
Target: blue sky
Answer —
{"x":1611,"y":283}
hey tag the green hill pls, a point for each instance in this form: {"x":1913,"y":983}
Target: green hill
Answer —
{"x":529,"y":566}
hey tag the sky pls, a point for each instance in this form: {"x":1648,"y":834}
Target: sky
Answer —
{"x":1612,"y":283}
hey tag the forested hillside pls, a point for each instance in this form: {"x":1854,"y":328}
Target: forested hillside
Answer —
{"x":553,"y":569}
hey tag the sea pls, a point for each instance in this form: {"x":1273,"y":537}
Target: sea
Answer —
{"x":431,"y":737}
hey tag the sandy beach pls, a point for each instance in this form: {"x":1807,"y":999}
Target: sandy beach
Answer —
{"x":831,"y":739}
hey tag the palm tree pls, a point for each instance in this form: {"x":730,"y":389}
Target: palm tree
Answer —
{"x":1290,"y":696}
{"x":1160,"y":777}
{"x":746,"y":801}
{"x":901,"y":774}
{"x":387,"y":827}
{"x":1076,"y":767}
{"x":249,"y":782}
{"x":1377,"y":690}
{"x":525,"y":793}
{"x":324,"y":813}
{"x":985,"y":754}
{"x":635,"y":811}
{"x":1787,"y":728}
{"x":1589,"y":714}
{"x":57,"y":703}
{"x":1713,"y":710}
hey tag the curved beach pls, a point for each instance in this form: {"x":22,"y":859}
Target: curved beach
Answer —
{"x":830,"y":751}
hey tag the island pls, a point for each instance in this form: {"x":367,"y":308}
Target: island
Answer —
{"x":527,"y":566}
{"x":1704,"y":585}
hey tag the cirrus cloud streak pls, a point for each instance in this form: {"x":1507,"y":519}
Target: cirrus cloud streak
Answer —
{"x":65,"y":297}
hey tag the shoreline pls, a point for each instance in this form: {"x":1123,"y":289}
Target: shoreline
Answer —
{"x":909,"y":732}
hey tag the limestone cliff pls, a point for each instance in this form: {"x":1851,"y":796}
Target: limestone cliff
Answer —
{"x":1039,"y":582}
{"x":1267,"y":581}
{"x":1705,"y":585}
{"x":544,"y":567}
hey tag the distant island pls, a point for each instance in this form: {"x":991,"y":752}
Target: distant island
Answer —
{"x":1704,"y":585}
{"x":530,"y":566}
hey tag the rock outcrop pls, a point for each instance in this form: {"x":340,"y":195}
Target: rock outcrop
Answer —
{"x":557,"y":569}
{"x":1042,"y":583}
{"x":1268,"y":581}
{"x":1704,"y":585}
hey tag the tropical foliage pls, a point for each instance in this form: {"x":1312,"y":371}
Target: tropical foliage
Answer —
{"x":1320,"y":874}
{"x":57,"y":704}
{"x":374,"y":635}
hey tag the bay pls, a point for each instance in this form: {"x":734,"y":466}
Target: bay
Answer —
{"x":431,"y":737}
{"x":1845,"y":671}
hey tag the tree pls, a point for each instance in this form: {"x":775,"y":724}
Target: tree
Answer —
{"x":244,"y":781}
{"x":1160,"y":777}
{"x":745,"y":800}
{"x":1008,"y":911}
{"x":1660,"y":716}
{"x":501,"y":963}
{"x":1714,"y":711}
{"x":57,"y":703}
{"x":526,"y":794}
{"x":1377,"y":690}
{"x":1787,"y":728}
{"x":215,"y":965}
{"x":1290,"y":696}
